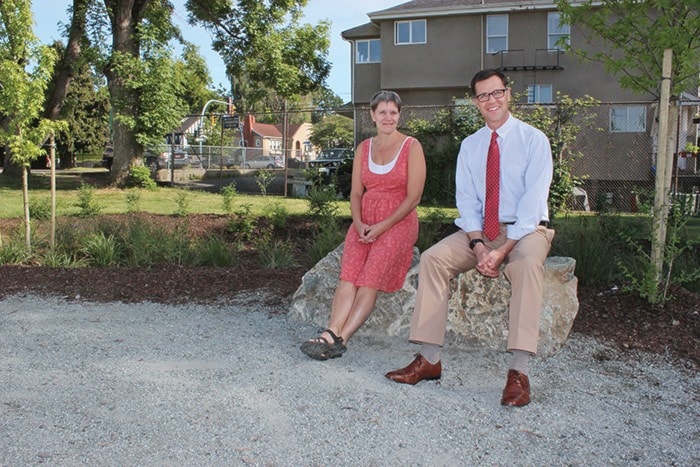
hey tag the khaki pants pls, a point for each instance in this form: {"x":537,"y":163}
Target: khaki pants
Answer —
{"x":452,"y":256}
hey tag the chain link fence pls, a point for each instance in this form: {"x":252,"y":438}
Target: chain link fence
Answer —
{"x":612,"y":155}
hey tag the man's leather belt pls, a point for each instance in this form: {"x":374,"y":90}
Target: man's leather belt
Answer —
{"x":542,"y":223}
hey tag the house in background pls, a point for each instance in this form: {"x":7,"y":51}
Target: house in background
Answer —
{"x":298,"y":145}
{"x":428,"y":50}
{"x":181,"y":136}
{"x":261,"y":138}
{"x":267,"y":139}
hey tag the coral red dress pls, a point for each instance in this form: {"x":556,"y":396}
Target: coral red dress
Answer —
{"x":384,"y":263}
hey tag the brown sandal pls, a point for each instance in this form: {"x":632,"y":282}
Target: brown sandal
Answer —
{"x":319,"y":348}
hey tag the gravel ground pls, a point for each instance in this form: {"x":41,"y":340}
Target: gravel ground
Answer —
{"x":150,"y":384}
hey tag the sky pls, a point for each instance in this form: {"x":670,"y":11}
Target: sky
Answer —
{"x":343,"y":14}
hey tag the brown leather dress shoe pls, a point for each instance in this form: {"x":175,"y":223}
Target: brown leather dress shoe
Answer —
{"x":517,"y":390}
{"x":418,"y":370}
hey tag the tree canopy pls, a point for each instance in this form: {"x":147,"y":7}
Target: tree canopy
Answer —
{"x":263,"y":43}
{"x":333,"y":131}
{"x":635,"y":34}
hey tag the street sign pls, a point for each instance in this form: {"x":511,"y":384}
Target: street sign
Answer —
{"x":231,"y":121}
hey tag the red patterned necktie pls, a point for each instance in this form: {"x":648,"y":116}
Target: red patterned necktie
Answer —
{"x":493,"y":164}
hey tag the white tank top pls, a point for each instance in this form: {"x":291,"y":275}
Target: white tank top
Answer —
{"x":381,"y":169}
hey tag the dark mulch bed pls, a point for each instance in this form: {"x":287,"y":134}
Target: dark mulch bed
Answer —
{"x":621,"y":318}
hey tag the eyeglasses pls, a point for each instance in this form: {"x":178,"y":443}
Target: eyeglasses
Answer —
{"x":497,"y":94}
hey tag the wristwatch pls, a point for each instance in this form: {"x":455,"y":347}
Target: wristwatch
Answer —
{"x":473,"y":243}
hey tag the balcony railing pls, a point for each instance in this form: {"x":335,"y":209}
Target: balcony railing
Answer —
{"x":514,"y":60}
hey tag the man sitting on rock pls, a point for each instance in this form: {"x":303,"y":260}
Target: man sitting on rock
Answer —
{"x":502,"y":183}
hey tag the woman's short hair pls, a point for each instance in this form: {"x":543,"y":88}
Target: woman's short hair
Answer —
{"x":385,"y":96}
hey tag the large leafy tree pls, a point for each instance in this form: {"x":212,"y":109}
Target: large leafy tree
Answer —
{"x":325,"y":102}
{"x":140,"y":76}
{"x":263,"y":43}
{"x":194,"y":79}
{"x":85,"y":109}
{"x":333,"y":131}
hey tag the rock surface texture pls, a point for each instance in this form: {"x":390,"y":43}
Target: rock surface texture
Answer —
{"x":478,"y":306}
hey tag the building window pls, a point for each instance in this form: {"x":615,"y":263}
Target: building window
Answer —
{"x":369,"y":51}
{"x":628,"y":119}
{"x":257,"y":142}
{"x":410,"y":32}
{"x":557,"y":31}
{"x":496,"y":33}
{"x":539,"y":94}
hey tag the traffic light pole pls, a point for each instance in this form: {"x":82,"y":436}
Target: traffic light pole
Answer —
{"x":201,"y":119}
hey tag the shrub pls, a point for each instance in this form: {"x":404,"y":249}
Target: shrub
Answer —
{"x":278,"y":215}
{"x":322,"y":200}
{"x":228,"y":193}
{"x":133,"y":201}
{"x":58,"y":258}
{"x":242,"y":225}
{"x":144,"y":245}
{"x":183,"y":199}
{"x":264,"y":178}
{"x":640,"y":269}
{"x":87,"y":201}
{"x":40,"y":208}
{"x":583,"y":240}
{"x":140,"y":177}
{"x":68,"y":237}
{"x":327,"y":239}
{"x":13,"y":251}
{"x":214,"y":251}
{"x":275,"y":253}
{"x":101,"y":250}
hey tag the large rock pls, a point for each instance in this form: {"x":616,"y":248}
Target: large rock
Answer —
{"x":478,"y":306}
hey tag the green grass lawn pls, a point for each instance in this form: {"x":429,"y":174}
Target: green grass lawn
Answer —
{"x":161,"y":200}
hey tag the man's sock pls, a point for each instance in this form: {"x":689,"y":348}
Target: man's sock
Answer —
{"x":520,"y":361}
{"x":430,"y":352}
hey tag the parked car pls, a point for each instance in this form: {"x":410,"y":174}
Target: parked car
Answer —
{"x":343,"y":177}
{"x":330,"y":159}
{"x":179,"y":157}
{"x":295,"y":163}
{"x":264,"y":162}
{"x":234,"y":159}
{"x":108,"y":157}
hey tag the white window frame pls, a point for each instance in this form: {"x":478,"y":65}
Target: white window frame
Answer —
{"x":556,"y":31}
{"x":622,"y":120}
{"x":370,"y":58}
{"x":491,"y":36}
{"x":534,"y":94}
{"x":411,"y":33}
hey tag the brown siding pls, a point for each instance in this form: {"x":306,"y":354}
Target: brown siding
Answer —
{"x":443,"y":62}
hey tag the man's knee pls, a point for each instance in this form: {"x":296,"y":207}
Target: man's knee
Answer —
{"x":434,"y":257}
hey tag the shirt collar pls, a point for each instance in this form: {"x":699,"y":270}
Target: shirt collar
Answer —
{"x":506,"y":127}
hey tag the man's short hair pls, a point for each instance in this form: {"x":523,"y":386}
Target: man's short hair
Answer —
{"x":486,"y":74}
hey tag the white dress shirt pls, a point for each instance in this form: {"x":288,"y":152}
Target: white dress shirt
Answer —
{"x":526,"y":173}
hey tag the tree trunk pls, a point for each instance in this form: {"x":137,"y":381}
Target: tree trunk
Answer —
{"x":25,"y":198}
{"x":69,"y":62}
{"x":125,"y":15}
